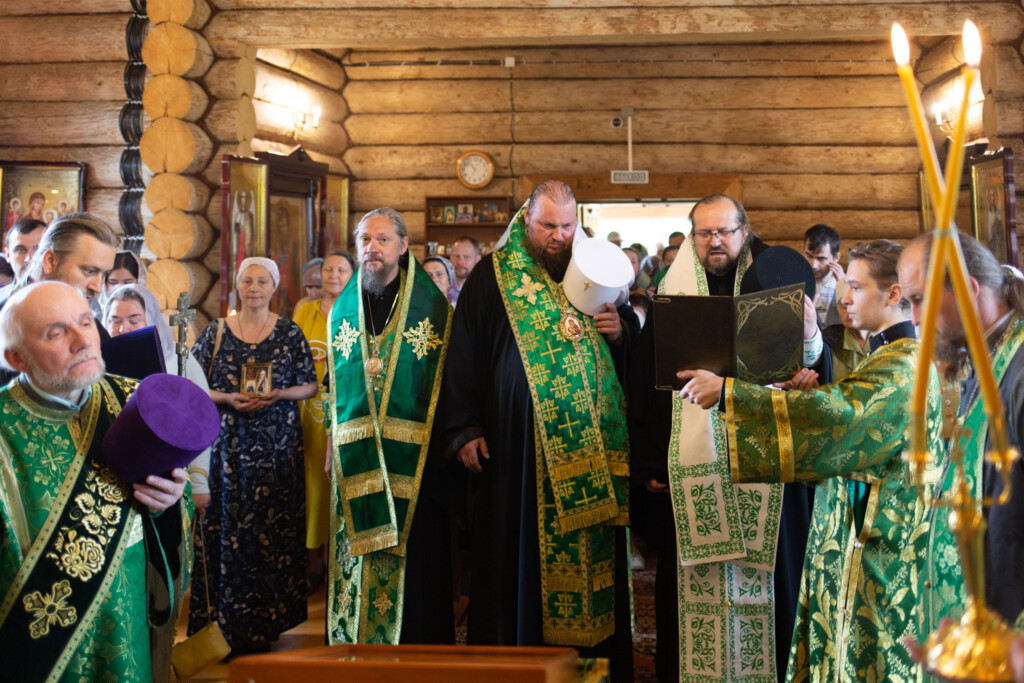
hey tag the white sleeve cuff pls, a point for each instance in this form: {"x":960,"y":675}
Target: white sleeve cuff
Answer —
{"x":812,"y":349}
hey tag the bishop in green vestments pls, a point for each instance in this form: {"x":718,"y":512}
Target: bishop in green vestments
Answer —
{"x":388,"y":334}
{"x":859,"y":589}
{"x":75,"y":539}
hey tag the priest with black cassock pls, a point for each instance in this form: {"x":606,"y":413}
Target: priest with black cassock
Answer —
{"x":721,"y":257}
{"x":536,"y":415}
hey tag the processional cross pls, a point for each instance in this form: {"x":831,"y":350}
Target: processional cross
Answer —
{"x":182,"y":318}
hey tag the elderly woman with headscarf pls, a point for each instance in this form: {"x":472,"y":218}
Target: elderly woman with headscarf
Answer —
{"x":335,"y":271}
{"x":255,"y":527}
{"x":132,"y":307}
{"x":442,"y":272}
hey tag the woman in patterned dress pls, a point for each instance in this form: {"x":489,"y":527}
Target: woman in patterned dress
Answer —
{"x":254,"y":529}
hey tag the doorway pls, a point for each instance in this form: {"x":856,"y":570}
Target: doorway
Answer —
{"x":646,"y":222}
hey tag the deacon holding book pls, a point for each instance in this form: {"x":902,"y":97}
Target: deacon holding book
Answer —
{"x":725,"y":564}
{"x":389,"y":580}
{"x":77,"y":539}
{"x":866,"y":550}
{"x":537,"y":418}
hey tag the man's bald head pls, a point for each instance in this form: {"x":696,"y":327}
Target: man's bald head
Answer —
{"x":48,"y":332}
{"x":912,"y":271}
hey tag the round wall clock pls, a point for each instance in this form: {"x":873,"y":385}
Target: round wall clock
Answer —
{"x":474,"y":169}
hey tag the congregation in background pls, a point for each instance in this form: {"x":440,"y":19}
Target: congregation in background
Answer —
{"x":455,"y":431}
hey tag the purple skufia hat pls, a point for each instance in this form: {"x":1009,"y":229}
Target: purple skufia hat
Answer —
{"x":165,"y":424}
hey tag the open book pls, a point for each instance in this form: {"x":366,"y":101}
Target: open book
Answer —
{"x":753,"y":337}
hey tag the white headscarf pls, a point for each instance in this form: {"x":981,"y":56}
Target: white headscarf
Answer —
{"x":154,"y":316}
{"x":267,"y":263}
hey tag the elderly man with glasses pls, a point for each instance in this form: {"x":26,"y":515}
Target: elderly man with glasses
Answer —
{"x":703,"y":593}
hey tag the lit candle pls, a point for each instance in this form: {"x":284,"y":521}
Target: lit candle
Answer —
{"x":930,"y":163}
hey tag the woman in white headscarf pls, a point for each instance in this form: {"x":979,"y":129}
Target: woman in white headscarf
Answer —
{"x":132,"y":307}
{"x":255,"y":527}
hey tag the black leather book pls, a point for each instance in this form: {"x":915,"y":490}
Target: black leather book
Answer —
{"x":754,"y":337}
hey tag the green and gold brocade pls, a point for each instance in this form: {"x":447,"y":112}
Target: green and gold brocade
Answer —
{"x":943,"y":591}
{"x":73,"y":557}
{"x":859,"y":591}
{"x":381,"y":427}
{"x":582,"y":447}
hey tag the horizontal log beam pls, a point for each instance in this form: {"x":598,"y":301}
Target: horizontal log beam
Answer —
{"x":429,"y":129}
{"x":698,"y":94}
{"x":104,"y":202}
{"x":310,"y":65}
{"x":878,"y":126}
{"x":80,"y":38}
{"x":32,"y":7}
{"x":723,"y":52}
{"x":281,"y":87}
{"x":409,"y":195}
{"x":231,"y":120}
{"x":394,"y":97}
{"x":173,"y":49}
{"x":228,"y":79}
{"x":46,"y":123}
{"x":277,"y":123}
{"x":807,"y":191}
{"x":191,"y":13}
{"x":443,"y":27}
{"x":63,"y":82}
{"x":706,"y":158}
{"x":174,"y":96}
{"x":852,"y":225}
{"x":101,"y":161}
{"x":370,"y":163}
{"x":700,"y":61}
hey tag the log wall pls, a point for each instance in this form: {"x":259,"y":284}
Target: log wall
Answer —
{"x":60,"y":99}
{"x":998,"y":119}
{"x":818,"y":131}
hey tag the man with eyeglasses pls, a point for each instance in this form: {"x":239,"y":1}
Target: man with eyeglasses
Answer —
{"x":743,"y":594}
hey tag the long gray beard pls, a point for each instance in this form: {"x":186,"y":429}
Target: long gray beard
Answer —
{"x":374,"y":282}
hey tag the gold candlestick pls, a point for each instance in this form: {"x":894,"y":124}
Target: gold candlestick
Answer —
{"x":978,"y":646}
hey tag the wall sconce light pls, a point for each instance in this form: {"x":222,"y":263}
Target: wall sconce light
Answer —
{"x":946,"y":109}
{"x":303,"y":118}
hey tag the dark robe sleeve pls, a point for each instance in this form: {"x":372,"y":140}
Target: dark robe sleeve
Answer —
{"x":1005,"y":536}
{"x":469,"y":346}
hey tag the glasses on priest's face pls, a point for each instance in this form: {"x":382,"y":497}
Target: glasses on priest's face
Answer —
{"x":705,"y":236}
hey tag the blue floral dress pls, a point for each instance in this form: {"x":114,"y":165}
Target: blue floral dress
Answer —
{"x":255,"y":527}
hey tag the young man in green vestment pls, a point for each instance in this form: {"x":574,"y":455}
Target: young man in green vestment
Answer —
{"x":388,"y":577}
{"x":998,"y":294}
{"x":859,"y":589}
{"x":76,"y":539}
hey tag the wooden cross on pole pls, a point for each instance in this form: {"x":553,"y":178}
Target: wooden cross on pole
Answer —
{"x":182,"y":318}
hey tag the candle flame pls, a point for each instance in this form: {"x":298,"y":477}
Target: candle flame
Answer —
{"x":900,"y":45}
{"x":937,"y":112}
{"x":972,"y":44}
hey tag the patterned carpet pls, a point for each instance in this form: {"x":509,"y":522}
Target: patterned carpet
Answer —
{"x":644,"y":632}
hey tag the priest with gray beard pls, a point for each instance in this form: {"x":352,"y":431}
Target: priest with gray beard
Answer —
{"x":389,"y":568}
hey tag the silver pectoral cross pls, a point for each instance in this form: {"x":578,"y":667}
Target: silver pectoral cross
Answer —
{"x":182,"y":318}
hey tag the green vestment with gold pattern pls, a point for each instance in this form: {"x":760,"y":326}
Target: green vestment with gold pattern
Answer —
{"x":582,"y":446}
{"x":859,"y":591}
{"x":943,"y":591}
{"x":73,"y":553}
{"x":381,"y":425}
